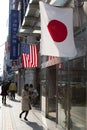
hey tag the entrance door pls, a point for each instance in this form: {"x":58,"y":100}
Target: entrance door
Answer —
{"x":51,"y":93}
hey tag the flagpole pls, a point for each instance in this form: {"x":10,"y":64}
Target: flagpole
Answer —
{"x":68,"y":100}
{"x":57,"y":94}
{"x":24,"y":75}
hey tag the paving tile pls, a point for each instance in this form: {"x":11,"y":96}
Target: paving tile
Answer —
{"x":10,"y":118}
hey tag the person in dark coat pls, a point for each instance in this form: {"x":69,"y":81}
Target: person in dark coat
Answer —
{"x":4,"y":91}
{"x":25,"y":102}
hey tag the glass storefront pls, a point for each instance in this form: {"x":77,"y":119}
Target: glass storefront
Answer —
{"x":48,"y":90}
{"x":64,"y":90}
{"x":72,"y":87}
{"x":78,"y":86}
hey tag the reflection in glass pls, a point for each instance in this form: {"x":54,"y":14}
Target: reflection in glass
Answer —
{"x":72,"y":98}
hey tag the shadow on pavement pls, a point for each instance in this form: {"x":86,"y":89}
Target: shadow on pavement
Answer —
{"x":15,"y":100}
{"x":35,"y":126}
{"x":8,"y":105}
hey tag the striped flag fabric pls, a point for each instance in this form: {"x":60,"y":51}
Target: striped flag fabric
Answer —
{"x":50,"y":58}
{"x":29,"y":55}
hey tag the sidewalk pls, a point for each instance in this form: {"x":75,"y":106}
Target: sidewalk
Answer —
{"x":10,"y":118}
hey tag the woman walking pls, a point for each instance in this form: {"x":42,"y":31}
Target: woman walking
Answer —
{"x":4,"y":91}
{"x":25,"y":102}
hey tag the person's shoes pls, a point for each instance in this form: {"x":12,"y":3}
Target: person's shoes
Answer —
{"x":25,"y":119}
{"x":19,"y":115}
{"x":5,"y":103}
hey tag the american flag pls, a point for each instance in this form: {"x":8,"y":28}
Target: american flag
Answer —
{"x":29,"y":55}
{"x":50,"y":57}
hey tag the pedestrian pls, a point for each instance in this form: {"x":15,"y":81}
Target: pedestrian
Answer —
{"x":4,"y":91}
{"x":38,"y":90}
{"x":12,"y":89}
{"x":31,"y":88}
{"x":26,"y":106}
{"x":35,"y":95}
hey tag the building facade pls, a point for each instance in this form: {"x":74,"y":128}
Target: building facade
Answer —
{"x":63,"y":82}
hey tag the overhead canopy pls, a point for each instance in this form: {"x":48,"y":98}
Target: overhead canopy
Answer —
{"x":31,"y":20}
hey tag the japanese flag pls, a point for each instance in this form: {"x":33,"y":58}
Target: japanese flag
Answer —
{"x":56,"y":31}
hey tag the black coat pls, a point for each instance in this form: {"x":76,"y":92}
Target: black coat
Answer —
{"x":4,"y":89}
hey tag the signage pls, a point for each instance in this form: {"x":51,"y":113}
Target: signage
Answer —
{"x":13,"y":38}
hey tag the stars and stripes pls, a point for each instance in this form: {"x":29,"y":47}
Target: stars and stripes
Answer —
{"x":29,"y":55}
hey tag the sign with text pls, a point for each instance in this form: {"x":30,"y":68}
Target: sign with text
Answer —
{"x":13,"y":37}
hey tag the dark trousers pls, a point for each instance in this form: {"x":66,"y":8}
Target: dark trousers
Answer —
{"x":26,"y":113}
{"x":4,"y":99}
{"x":12,"y":94}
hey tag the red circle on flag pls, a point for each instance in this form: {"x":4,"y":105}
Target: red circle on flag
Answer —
{"x":57,"y":30}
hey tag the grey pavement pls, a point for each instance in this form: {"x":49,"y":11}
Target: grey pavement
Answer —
{"x":10,"y":120}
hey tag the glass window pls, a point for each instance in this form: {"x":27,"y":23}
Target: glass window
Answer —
{"x":72,"y":87}
{"x":78,"y":94}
